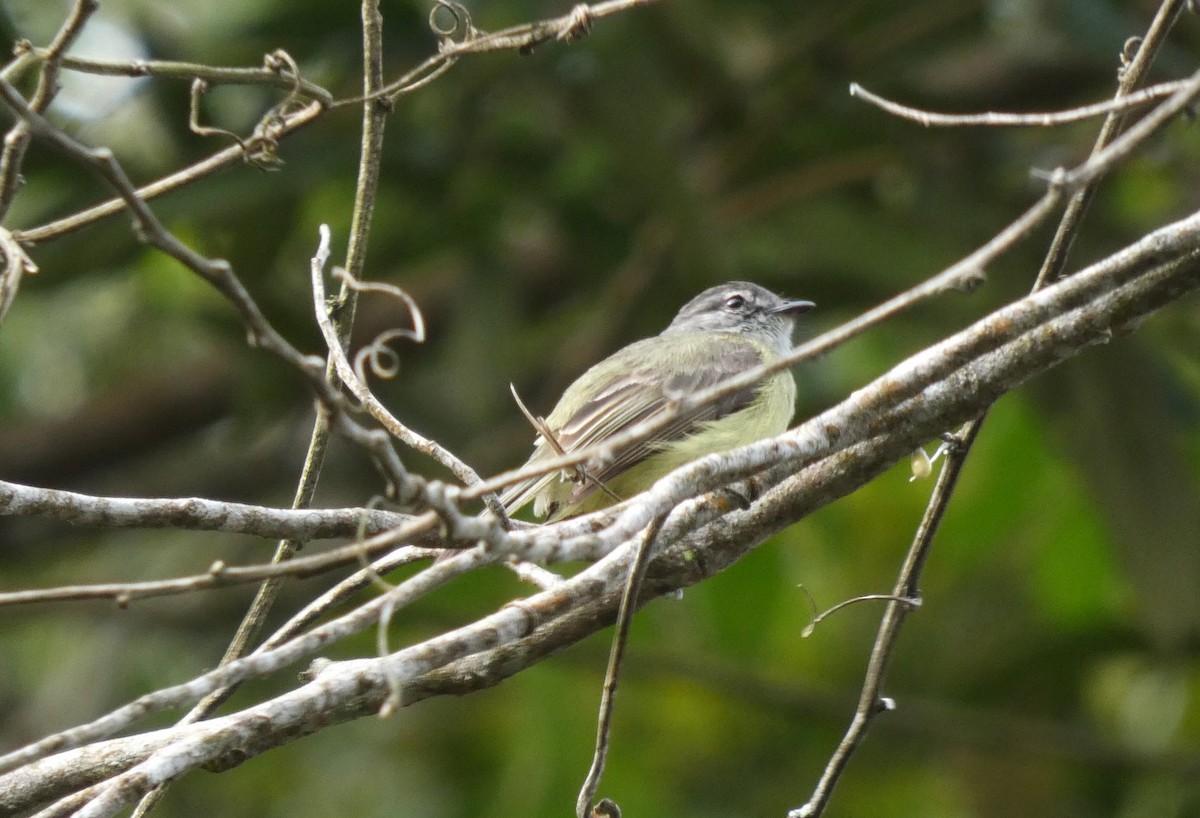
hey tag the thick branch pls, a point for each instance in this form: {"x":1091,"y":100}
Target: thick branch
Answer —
{"x":192,"y":513}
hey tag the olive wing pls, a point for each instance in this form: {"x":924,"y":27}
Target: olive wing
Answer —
{"x":682,"y":366}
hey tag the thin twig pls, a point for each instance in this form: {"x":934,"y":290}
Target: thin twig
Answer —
{"x":912,"y":602}
{"x":264,"y":599}
{"x":612,"y":674}
{"x":339,"y":593}
{"x":871,"y":702}
{"x":271,"y":74}
{"x":994,"y":119}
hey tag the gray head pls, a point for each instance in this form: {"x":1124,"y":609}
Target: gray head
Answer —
{"x":740,"y":306}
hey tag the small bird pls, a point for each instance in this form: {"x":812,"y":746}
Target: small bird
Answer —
{"x":720,"y":333}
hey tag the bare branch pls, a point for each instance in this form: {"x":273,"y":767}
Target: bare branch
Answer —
{"x":191,"y":513}
{"x":274,"y":73}
{"x":994,"y":119}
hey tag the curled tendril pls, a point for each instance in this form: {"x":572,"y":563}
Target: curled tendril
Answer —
{"x":199,"y":89}
{"x":258,"y":150}
{"x":460,"y":28}
{"x":1128,"y":51}
{"x":284,"y":64}
{"x":383,"y":361}
{"x":261,"y":149}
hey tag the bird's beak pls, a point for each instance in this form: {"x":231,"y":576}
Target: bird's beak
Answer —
{"x":792,"y":307}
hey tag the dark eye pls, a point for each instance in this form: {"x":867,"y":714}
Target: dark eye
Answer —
{"x":735,"y":302}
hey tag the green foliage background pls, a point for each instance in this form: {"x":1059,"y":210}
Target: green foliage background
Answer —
{"x":545,"y":210}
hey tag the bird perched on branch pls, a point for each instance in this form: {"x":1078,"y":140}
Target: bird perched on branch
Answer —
{"x":724,"y":331}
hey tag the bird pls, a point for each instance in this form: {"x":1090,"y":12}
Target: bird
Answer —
{"x":722,"y":332}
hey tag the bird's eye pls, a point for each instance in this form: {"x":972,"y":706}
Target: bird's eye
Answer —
{"x":735,"y":302}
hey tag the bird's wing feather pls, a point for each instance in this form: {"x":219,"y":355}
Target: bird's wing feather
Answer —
{"x":640,"y":393}
{"x":643,"y":393}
